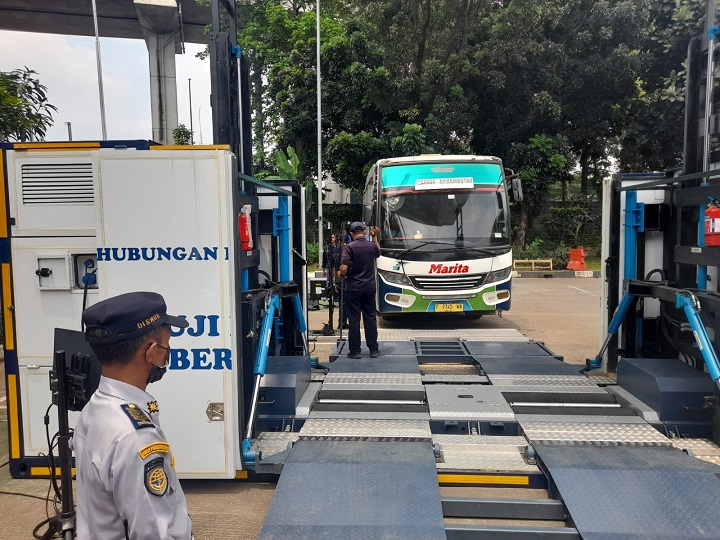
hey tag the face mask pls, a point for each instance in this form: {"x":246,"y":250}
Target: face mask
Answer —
{"x":156,"y":373}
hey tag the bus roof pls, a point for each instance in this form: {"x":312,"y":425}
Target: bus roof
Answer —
{"x":438,"y":158}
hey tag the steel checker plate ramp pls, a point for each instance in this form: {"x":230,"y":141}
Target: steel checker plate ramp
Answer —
{"x":541,"y":380}
{"x":356,"y":490}
{"x":526,"y":365}
{"x":382,"y":364}
{"x":365,"y":429}
{"x":625,"y":493}
{"x":387,"y":348}
{"x":471,"y":334}
{"x":507,"y":350}
{"x":598,"y":434}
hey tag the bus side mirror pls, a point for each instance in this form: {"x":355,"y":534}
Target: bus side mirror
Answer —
{"x":515,"y":184}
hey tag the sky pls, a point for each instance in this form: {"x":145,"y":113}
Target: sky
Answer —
{"x":67,"y":66}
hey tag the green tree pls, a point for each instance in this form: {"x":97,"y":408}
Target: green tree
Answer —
{"x":651,"y":138}
{"x":182,"y":135}
{"x":25,"y":113}
{"x":542,"y":162}
{"x":557,"y":66}
{"x":391,"y":71}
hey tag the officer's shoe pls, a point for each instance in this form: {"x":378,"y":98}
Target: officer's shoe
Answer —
{"x":354,"y":355}
{"x":374,"y":353}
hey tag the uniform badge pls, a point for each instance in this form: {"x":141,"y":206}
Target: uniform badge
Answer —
{"x":153,"y":406}
{"x":137,"y":416}
{"x":154,"y":448}
{"x":156,"y":481}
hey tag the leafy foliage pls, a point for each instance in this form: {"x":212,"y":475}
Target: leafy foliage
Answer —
{"x":25,"y":113}
{"x":551,"y":86}
{"x":182,"y":135}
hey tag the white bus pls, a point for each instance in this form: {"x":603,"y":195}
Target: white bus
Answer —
{"x":444,"y":234}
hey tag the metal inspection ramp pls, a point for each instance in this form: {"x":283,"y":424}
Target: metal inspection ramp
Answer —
{"x":526,"y":365}
{"x":626,"y":493}
{"x":578,"y":434}
{"x":405,"y":363}
{"x":483,"y":453}
{"x":700,"y":448}
{"x":501,"y":334}
{"x":357,"y":490}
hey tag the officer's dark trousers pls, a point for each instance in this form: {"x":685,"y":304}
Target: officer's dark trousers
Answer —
{"x":361,"y":302}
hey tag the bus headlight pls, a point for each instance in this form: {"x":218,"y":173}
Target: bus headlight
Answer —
{"x":498,"y":275}
{"x":394,"y":278}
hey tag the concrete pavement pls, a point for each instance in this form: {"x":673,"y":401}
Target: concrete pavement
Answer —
{"x":563,"y":313}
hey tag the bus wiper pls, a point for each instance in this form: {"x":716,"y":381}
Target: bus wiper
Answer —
{"x":478,"y":249}
{"x":422,"y":244}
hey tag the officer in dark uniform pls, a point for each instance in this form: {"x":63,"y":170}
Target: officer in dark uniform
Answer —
{"x":332,"y":253}
{"x":358,"y":264}
{"x":126,"y":482}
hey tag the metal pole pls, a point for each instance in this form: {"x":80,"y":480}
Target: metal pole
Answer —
{"x":69,"y":126}
{"x":709,"y":76}
{"x":192,"y":135}
{"x":319,"y":132}
{"x":99,"y":72}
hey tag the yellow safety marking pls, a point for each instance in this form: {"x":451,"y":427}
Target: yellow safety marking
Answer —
{"x":192,"y":147}
{"x":3,"y":200}
{"x":13,"y":413}
{"x":155,"y":448}
{"x":483,"y":479}
{"x":7,"y":313}
{"x":56,"y":147}
{"x":45,"y":471}
{"x":241,"y":475}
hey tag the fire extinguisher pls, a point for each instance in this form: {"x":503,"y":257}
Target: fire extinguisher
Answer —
{"x":712,"y":223}
{"x":245,"y":227}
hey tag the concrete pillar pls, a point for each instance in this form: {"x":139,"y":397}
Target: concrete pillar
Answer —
{"x":161,"y":27}
{"x":163,"y":86}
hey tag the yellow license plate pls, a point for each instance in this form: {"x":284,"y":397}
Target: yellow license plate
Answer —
{"x":448,"y":307}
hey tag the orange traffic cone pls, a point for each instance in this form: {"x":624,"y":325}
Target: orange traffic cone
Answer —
{"x":577,"y":259}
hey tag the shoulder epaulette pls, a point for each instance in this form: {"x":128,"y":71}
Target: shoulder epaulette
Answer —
{"x":137,"y":416}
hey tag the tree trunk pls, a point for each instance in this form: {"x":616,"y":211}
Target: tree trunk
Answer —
{"x":565,"y":187}
{"x":521,"y":236}
{"x":585,"y":171}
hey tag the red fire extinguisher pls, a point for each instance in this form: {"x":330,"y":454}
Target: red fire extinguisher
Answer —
{"x":712,"y":223}
{"x":245,"y":227}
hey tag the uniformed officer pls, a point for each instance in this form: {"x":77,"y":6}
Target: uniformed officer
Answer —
{"x":358,"y":264}
{"x":126,"y":483}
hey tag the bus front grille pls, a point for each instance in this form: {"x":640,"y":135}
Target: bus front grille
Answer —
{"x":454,"y":282}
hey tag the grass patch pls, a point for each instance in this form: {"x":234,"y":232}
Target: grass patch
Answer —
{"x":593,"y":263}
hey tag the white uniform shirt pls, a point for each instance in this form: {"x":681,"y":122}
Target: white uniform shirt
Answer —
{"x":125,"y":470}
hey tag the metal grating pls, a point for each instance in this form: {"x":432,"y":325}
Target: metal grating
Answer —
{"x":271,"y":443}
{"x":373,"y":378}
{"x":365,"y":430}
{"x":57,"y":183}
{"x":452,"y":282}
{"x":700,"y":448}
{"x":575,"y":434}
{"x":470,"y":334}
{"x":541,"y":380}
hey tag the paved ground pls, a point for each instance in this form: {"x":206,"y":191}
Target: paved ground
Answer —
{"x":563,"y":313}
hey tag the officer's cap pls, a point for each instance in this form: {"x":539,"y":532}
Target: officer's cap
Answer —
{"x":357,"y":226}
{"x":128,"y":316}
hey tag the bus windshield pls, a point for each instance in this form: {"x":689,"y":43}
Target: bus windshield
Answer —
{"x":463,"y":205}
